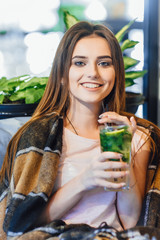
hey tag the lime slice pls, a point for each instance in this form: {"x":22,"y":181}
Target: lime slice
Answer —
{"x":116,"y":132}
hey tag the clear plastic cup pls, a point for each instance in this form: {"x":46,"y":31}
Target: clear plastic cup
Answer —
{"x":117,"y":138}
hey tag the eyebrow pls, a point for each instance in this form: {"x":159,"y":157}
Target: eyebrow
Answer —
{"x":100,"y":57}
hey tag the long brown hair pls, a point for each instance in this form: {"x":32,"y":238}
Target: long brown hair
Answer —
{"x":56,"y":95}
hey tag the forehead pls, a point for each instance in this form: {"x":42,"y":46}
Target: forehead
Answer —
{"x":93,"y":43}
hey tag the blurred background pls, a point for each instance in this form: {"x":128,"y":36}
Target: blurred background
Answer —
{"x":30,"y":31}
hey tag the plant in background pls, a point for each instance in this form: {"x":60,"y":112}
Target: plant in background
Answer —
{"x":22,"y":89}
{"x":128,"y":61}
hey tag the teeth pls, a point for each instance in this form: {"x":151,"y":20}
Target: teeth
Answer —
{"x":91,"y":85}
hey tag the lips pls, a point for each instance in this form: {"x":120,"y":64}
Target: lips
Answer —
{"x":91,"y":85}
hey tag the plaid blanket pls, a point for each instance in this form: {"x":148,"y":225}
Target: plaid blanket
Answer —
{"x":34,"y":174}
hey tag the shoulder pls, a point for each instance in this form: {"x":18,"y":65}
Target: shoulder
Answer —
{"x":141,"y":139}
{"x":37,"y":131}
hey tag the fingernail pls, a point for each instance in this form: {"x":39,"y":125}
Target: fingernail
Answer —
{"x":100,"y":116}
{"x":123,"y":184}
{"x":100,"y":120}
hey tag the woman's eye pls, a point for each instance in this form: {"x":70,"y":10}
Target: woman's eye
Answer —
{"x":104,"y":64}
{"x":79,"y":63}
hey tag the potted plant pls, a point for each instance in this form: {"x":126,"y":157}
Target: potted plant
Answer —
{"x":133,"y":100}
{"x":20,"y":95}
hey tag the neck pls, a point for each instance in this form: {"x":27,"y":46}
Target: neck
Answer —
{"x":83,"y":121}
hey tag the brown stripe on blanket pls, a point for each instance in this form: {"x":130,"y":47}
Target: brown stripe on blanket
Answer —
{"x":3,"y":205}
{"x":34,"y":172}
{"x":48,"y":173}
{"x":157,"y":178}
{"x":35,"y":235}
{"x":26,"y":171}
{"x":149,"y":180}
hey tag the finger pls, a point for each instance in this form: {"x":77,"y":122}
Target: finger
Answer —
{"x":107,"y":184}
{"x":112,"y":165}
{"x":111,"y":174}
{"x":106,"y":114}
{"x":119,"y":119}
{"x":133,"y":124}
{"x":112,"y":117}
{"x":109,"y":155}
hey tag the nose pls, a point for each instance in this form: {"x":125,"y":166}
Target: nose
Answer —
{"x":92,"y":71}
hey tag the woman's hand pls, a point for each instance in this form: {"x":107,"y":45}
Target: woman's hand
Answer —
{"x":101,"y":171}
{"x":115,"y":118}
{"x":94,"y":175}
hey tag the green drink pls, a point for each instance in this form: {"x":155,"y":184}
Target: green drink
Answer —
{"x":117,"y":139}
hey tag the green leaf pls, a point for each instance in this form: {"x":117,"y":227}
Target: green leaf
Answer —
{"x":129,"y":62}
{"x":128,"y":44}
{"x":9,"y":85}
{"x":27,"y":88}
{"x":30,"y":95}
{"x":2,"y":80}
{"x":33,"y":95}
{"x":21,"y":78}
{"x":1,"y":98}
{"x":123,"y":31}
{"x":3,"y":83}
{"x":135,"y":74}
{"x":69,"y":19}
{"x":34,"y":82}
{"x":17,"y":96}
{"x":129,"y":82}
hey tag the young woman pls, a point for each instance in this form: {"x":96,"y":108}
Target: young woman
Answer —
{"x":53,"y":168}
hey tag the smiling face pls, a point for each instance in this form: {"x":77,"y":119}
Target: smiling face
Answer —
{"x":91,"y":74}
